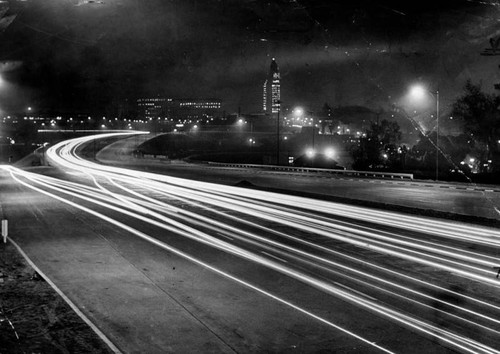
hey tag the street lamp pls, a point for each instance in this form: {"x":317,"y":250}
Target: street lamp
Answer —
{"x":418,"y":92}
{"x":298,"y":111}
{"x":330,"y":153}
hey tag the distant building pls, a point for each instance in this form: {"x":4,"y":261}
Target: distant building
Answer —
{"x":151,"y":107}
{"x":194,"y":109}
{"x":179,"y":108}
{"x":272,"y":91}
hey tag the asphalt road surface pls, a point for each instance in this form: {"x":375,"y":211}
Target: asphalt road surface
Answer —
{"x":166,"y":264}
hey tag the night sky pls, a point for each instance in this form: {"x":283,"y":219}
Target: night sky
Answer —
{"x":68,"y":55}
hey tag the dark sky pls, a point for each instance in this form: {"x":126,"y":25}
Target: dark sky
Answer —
{"x":69,"y":55}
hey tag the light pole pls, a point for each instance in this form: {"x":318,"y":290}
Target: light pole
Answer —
{"x":313,"y":129}
{"x":437,"y":134}
{"x":278,"y":134}
{"x":418,"y":92}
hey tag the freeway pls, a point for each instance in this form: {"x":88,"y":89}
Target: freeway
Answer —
{"x":258,"y":270}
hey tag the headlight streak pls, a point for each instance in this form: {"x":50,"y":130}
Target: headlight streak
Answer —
{"x":403,"y":221}
{"x":131,"y":206}
{"x":155,"y":203}
{"x":454,"y":250}
{"x":458,"y":342}
{"x":450,"y":230}
{"x":287,"y":217}
{"x":351,"y":233}
{"x":68,"y":147}
{"x":199,"y":262}
{"x":326,"y":287}
{"x":404,"y":297}
{"x":439,"y":228}
{"x":280,"y":197}
{"x":221,"y":227}
{"x":391,"y":238}
{"x":205,"y":221}
{"x":194,"y":190}
{"x":325,"y":229}
{"x":245,"y":207}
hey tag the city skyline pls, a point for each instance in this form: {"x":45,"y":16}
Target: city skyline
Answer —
{"x":60,"y":57}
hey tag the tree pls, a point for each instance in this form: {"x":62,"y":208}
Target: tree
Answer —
{"x":480,"y":115}
{"x":386,"y":132}
{"x":379,"y":148}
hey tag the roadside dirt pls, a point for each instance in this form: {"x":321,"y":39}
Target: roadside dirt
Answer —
{"x":33,"y":317}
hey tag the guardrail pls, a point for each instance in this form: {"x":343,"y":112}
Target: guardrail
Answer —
{"x":318,"y":170}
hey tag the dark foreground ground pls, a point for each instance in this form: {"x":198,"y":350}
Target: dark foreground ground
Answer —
{"x":33,"y":317}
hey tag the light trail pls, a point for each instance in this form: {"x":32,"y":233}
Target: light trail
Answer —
{"x":458,"y":341}
{"x":151,"y":198}
{"x":203,"y":264}
{"x":142,"y":207}
{"x":367,"y":239}
{"x":439,"y":228}
{"x":200,"y":206}
{"x":364,"y":239}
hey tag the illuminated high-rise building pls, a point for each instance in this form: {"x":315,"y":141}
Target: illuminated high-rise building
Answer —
{"x":264,"y":96}
{"x":271,"y":90}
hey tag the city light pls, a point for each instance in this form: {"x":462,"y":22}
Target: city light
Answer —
{"x":417,"y":92}
{"x":298,"y":111}
{"x":330,"y":153}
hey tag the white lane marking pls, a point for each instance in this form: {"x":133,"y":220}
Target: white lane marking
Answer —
{"x":270,"y":255}
{"x":356,"y":291}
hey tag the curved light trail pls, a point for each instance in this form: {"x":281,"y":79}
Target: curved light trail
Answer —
{"x":326,"y":245}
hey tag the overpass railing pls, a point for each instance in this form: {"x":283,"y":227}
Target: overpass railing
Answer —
{"x":354,"y":173}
